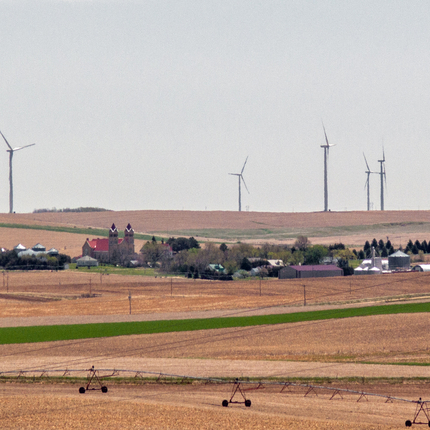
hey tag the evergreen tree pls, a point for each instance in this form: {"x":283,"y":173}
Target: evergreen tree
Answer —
{"x":388,"y":244}
{"x":245,"y":265}
{"x":366,"y":247}
{"x":409,"y":246}
{"x":223,"y":247}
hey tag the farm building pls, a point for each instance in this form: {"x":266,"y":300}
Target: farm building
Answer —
{"x":86,"y":262}
{"x":372,"y":266}
{"x":316,"y":271}
{"x":37,"y":250}
{"x":112,"y":250}
{"x":421,"y":268}
{"x":399,"y":261}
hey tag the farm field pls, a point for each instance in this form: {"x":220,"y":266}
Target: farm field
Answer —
{"x":385,"y":354}
{"x":350,"y":228}
{"x":362,"y":347}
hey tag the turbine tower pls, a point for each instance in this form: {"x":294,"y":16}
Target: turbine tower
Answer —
{"x":368,"y":172}
{"x":240,"y":177}
{"x":383,"y":177}
{"x":11,"y":151}
{"x":326,"y":153}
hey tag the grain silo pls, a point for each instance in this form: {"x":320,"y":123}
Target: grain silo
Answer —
{"x":399,"y":261}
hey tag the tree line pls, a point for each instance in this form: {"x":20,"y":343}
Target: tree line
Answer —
{"x":188,"y":257}
{"x":384,"y":249}
{"x":10,"y":261}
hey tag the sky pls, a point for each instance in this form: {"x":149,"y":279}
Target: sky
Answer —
{"x":151,"y":104}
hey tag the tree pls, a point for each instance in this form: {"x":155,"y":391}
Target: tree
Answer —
{"x":302,"y":243}
{"x":223,"y":247}
{"x":153,"y":252}
{"x":245,"y":264}
{"x":182,"y":243}
{"x":409,"y":246}
{"x":315,"y":254}
{"x":366,"y":248}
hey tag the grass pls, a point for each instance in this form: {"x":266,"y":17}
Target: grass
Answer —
{"x":271,"y":232}
{"x":179,"y":380}
{"x":75,"y":230}
{"x":14,"y":335}
{"x":114,"y":270}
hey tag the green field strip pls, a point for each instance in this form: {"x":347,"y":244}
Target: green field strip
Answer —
{"x":13,"y":335}
{"x":267,"y":231}
{"x":74,"y":230}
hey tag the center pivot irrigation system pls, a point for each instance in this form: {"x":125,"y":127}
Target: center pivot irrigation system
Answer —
{"x":238,"y":392}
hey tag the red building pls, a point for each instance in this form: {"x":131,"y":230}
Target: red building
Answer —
{"x":112,"y":250}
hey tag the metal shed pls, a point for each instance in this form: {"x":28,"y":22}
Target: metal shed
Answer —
{"x":399,"y":261}
{"x":421,"y":268}
{"x":315,"y":271}
{"x":86,"y":261}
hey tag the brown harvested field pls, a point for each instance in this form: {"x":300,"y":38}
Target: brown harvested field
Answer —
{"x":196,"y":407}
{"x":63,"y":293}
{"x":65,"y":243}
{"x":363,"y":347}
{"x":351,"y":228}
{"x":333,"y":349}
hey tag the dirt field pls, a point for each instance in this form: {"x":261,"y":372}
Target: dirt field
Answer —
{"x":351,"y":228}
{"x":361,"y":348}
{"x":335,"y":349}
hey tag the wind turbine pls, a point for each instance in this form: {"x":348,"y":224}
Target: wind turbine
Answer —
{"x":326,"y":153}
{"x":240,"y":177}
{"x":368,"y":172}
{"x":11,"y":151}
{"x":383,"y":176}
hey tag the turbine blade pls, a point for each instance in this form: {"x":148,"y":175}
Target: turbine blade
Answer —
{"x":244,"y":183}
{"x":367,"y":165}
{"x":325,"y":134}
{"x":22,"y":147}
{"x":367,"y":181}
{"x":243,"y":168}
{"x":7,"y":143}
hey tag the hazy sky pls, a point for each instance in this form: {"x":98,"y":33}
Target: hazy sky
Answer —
{"x":150,"y":104}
